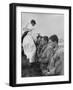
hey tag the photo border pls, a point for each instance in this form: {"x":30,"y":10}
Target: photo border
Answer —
{"x":12,"y":64}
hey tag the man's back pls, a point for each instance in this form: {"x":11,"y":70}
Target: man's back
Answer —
{"x":45,"y":57}
{"x":59,"y":61}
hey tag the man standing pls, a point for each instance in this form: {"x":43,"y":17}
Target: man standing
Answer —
{"x":28,"y":40}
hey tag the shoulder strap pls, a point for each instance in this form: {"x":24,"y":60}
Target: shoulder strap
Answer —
{"x":25,"y":33}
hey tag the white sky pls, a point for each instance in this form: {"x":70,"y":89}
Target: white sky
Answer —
{"x":47,"y":24}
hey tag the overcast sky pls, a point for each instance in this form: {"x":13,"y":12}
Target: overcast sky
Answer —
{"x":47,"y":24}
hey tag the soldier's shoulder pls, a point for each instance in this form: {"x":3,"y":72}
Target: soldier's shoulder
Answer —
{"x":60,"y":50}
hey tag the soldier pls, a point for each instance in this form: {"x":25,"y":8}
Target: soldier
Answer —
{"x":45,"y":55}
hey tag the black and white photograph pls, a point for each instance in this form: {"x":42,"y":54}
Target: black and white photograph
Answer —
{"x":42,"y":44}
{"x":40,"y":40}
